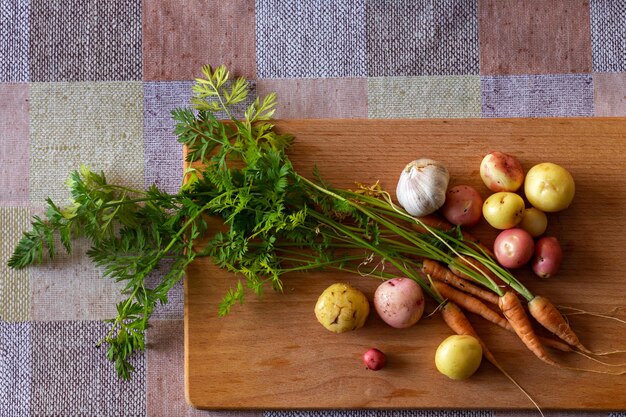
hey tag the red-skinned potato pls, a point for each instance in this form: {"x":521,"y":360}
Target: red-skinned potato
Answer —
{"x":548,"y":257}
{"x":463,"y":205}
{"x":513,"y":248}
{"x":501,"y":172}
{"x":374,"y":359}
{"x":399,"y":302}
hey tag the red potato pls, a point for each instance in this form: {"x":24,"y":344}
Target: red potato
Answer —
{"x":463,"y":205}
{"x":513,"y":248}
{"x":501,"y":172}
{"x":548,"y":257}
{"x":399,"y":302}
{"x":374,"y":359}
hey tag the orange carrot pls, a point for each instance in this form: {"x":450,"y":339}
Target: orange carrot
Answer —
{"x":458,"y":322}
{"x":555,"y":344}
{"x":516,"y":315}
{"x":471,"y":304}
{"x":549,"y":317}
{"x":441,"y":273}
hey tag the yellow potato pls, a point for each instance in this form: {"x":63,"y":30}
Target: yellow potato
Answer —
{"x":341,"y":308}
{"x":503,"y":210}
{"x":549,"y":187}
{"x":534,"y":221}
{"x":458,"y":356}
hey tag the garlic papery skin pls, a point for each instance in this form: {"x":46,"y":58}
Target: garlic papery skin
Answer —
{"x":422,"y":187}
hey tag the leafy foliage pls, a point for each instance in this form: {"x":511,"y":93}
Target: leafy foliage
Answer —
{"x":275,"y":221}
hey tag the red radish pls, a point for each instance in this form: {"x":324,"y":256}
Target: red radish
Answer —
{"x":513,"y":247}
{"x":374,"y":359}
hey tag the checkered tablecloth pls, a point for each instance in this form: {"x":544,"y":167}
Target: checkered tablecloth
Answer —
{"x":93,"y":82}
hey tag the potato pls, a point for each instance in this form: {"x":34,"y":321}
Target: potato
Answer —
{"x":549,"y":187}
{"x":513,"y":247}
{"x":458,"y":356}
{"x":534,"y":221}
{"x":548,"y":257}
{"x":374,"y":359}
{"x":503,"y":210}
{"x":463,"y":205}
{"x":501,"y":172}
{"x":399,"y":302}
{"x":341,"y":308}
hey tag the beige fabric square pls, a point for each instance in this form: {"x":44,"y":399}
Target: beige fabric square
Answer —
{"x":71,"y":288}
{"x":95,"y":124}
{"x":609,"y":91}
{"x":14,"y":284}
{"x":424,"y":97}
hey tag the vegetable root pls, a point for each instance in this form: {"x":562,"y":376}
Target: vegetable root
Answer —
{"x":577,"y":311}
{"x":458,"y":323}
{"x":443,"y":274}
{"x":549,"y":317}
{"x":514,"y":312}
{"x":471,"y":304}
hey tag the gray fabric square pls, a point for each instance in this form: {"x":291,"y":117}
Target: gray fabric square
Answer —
{"x":608,"y":35}
{"x":85,"y":40}
{"x":409,"y":37}
{"x":15,"y":369}
{"x":537,"y":95}
{"x":163,"y":155}
{"x":298,"y":39}
{"x":71,"y":377}
{"x":14,"y":26}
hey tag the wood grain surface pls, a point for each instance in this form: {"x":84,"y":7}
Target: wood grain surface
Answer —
{"x":272,"y":354}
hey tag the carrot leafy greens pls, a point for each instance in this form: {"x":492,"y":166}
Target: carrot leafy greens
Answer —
{"x":275,"y":220}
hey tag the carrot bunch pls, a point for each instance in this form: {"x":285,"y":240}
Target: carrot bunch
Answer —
{"x":501,"y":305}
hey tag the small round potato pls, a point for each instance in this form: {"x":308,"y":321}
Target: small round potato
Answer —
{"x":341,"y":308}
{"x":503,"y":210}
{"x":399,"y":302}
{"x":458,"y":356}
{"x":501,"y":172}
{"x":534,"y":221}
{"x":549,"y":187}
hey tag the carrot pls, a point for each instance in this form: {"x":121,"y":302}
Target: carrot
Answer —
{"x":459,"y":324}
{"x":516,"y":315}
{"x":443,"y":274}
{"x":549,"y":317}
{"x":471,"y":304}
{"x":555,"y":344}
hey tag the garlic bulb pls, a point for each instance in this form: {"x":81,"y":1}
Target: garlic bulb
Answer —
{"x":422,"y":187}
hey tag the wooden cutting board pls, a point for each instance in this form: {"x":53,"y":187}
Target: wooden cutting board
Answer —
{"x":271,"y":353}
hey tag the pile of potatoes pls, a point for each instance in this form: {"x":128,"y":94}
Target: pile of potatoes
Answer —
{"x":548,"y":187}
{"x":398,"y":301}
